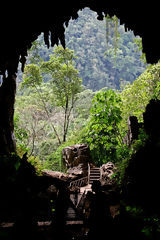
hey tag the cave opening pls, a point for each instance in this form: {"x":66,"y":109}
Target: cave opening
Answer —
{"x":26,"y":195}
{"x":103,"y":59}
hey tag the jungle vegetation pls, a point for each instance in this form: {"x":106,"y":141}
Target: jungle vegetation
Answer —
{"x":84,"y":93}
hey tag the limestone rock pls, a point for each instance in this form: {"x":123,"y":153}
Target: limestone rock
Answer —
{"x":108,"y":169}
{"x":75,"y":155}
{"x":80,"y":171}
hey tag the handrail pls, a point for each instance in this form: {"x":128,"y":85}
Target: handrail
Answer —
{"x":100,"y":173}
{"x":82,"y":181}
{"x":79,"y":182}
{"x":88,"y":172}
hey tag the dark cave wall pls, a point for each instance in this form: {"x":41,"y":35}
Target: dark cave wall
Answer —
{"x":7,"y":99}
{"x":142,"y":178}
{"x":25,"y":23}
{"x":21,"y":25}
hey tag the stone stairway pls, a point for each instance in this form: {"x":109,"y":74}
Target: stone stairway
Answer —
{"x":94,"y":175}
{"x":72,"y":217}
{"x":74,"y":212}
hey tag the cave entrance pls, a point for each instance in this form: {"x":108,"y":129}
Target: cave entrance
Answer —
{"x":107,"y":57}
{"x":37,"y":115}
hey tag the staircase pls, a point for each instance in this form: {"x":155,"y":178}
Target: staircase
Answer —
{"x":73,"y":216}
{"x":74,"y":212}
{"x":95,"y":175}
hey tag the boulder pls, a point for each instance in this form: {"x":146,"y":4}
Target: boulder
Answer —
{"x":75,"y":155}
{"x":79,"y":171}
{"x":107,"y":170}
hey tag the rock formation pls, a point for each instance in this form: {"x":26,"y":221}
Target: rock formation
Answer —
{"x":142,"y":178}
{"x":15,"y":42}
{"x":107,"y":170}
{"x":133,"y":130}
{"x":76,"y":154}
{"x":76,"y":159}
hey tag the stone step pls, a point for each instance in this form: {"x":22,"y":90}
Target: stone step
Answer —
{"x":93,"y":171}
{"x":91,"y":181}
{"x":70,"y":213}
{"x":77,"y":222}
{"x":95,"y":174}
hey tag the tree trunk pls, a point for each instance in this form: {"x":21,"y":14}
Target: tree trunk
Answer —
{"x":7,"y":100}
{"x":65,"y":120}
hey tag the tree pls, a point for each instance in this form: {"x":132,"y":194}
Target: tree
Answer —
{"x":32,"y":78}
{"x":65,"y":82}
{"x":136,"y":96}
{"x":107,"y":53}
{"x":103,"y":133}
{"x":64,"y":85}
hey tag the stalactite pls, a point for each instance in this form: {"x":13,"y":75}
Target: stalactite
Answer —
{"x":46,"y":38}
{"x":23,"y":61}
{"x":54,"y":37}
{"x":62,"y":36}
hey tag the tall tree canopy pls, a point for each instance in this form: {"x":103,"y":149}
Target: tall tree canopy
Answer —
{"x":103,"y":133}
{"x":107,"y":53}
{"x":63,"y":81}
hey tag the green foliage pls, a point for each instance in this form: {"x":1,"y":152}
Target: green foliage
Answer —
{"x":65,"y":81}
{"x":20,"y":133}
{"x":110,"y":21}
{"x":53,"y":105}
{"x":35,"y":161}
{"x":44,"y":111}
{"x":151,"y":223}
{"x":54,"y":160}
{"x":103,"y":133}
{"x":109,"y":114}
{"x":107,"y":54}
{"x":136,"y":96}
{"x":40,"y":139}
{"x":126,"y":153}
{"x":32,"y":76}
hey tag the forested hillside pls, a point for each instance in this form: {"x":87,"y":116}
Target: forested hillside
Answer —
{"x":87,"y":93}
{"x":55,"y":95}
{"x":107,"y":55}
{"x":94,"y":43}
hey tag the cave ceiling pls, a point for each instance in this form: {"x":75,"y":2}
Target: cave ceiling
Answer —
{"x":22,"y":24}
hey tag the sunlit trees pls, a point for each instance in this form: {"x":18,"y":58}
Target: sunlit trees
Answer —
{"x":44,"y":109}
{"x":136,"y":96}
{"x":65,"y":82}
{"x":103,"y":133}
